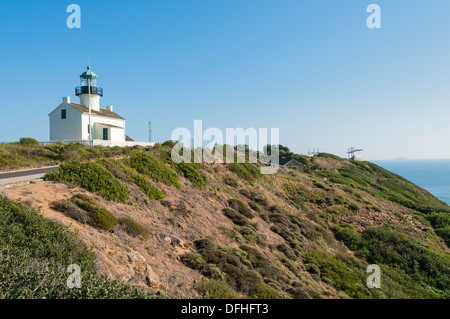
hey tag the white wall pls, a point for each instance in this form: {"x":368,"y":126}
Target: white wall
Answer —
{"x":65,"y":129}
{"x":116,"y":134}
{"x":122,"y":143}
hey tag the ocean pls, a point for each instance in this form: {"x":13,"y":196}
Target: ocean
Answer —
{"x":432,"y":175}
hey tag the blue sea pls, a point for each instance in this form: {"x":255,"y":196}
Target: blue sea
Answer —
{"x":432,"y":175}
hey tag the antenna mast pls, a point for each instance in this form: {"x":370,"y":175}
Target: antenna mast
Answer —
{"x":314,"y":152}
{"x":149,"y":129}
{"x":351,"y":152}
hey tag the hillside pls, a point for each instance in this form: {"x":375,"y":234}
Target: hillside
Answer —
{"x":225,"y":231}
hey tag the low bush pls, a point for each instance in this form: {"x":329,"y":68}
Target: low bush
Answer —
{"x":237,"y":218}
{"x":424,"y":263}
{"x":349,"y":236}
{"x":147,"y":187}
{"x":39,"y":252}
{"x":319,"y":185}
{"x":250,"y":235}
{"x":194,"y":261}
{"x":191,"y":172}
{"x":444,"y":233}
{"x":129,"y":175}
{"x":337,"y":274}
{"x":149,"y":165}
{"x":339,"y":200}
{"x":254,"y":196}
{"x":240,"y":207}
{"x":28,"y":141}
{"x":376,"y":209}
{"x":262,"y":291}
{"x":439,"y":220}
{"x":132,"y":227}
{"x":86,"y":210}
{"x":242,"y":268}
{"x":230,"y":182}
{"x":71,"y":210}
{"x":287,"y":251}
{"x":246,"y":171}
{"x":216,"y":289}
{"x":259,"y":210}
{"x":93,"y":177}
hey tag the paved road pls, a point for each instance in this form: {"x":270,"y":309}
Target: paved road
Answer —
{"x":25,"y":175}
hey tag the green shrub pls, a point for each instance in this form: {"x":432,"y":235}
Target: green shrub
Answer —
{"x":132,"y":227}
{"x":262,"y":291}
{"x":319,"y":185}
{"x":71,"y":210}
{"x":28,"y":141}
{"x":190,"y":171}
{"x":237,"y":218}
{"x":195,"y":261}
{"x":74,"y":152}
{"x":92,"y":177}
{"x":246,"y":171}
{"x":102,"y":219}
{"x":250,"y":235}
{"x":149,"y":165}
{"x":129,"y":175}
{"x":147,"y":188}
{"x":216,"y":289}
{"x":86,"y":210}
{"x":240,"y":207}
{"x":353,"y":207}
{"x":337,"y":274}
{"x":258,"y":209}
{"x":376,"y":209}
{"x":439,"y":220}
{"x":39,"y":252}
{"x":339,"y":200}
{"x":287,"y":251}
{"x":349,"y":236}
{"x":444,"y":233}
{"x":230,"y":182}
{"x":242,"y":268}
{"x":254,"y":196}
{"x":422,"y":262}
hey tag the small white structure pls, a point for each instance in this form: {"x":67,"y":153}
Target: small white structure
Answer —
{"x":86,"y":122}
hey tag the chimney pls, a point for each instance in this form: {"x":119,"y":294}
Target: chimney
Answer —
{"x":66,"y":99}
{"x":110,"y":108}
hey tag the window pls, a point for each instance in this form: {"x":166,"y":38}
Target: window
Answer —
{"x":105,"y":134}
{"x":89,"y":129}
{"x":63,"y":114}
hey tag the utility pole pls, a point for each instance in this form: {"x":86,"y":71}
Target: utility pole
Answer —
{"x":149,"y":129}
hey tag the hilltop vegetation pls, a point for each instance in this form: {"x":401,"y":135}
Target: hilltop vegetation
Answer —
{"x":35,"y":255}
{"x":309,"y":234}
{"x":29,"y":153}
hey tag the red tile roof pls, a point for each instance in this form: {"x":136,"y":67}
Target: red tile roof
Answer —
{"x":102,"y":112}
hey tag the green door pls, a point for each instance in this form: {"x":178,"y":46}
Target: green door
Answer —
{"x":105,"y":134}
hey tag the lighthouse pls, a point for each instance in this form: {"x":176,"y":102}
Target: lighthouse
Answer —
{"x":86,"y":122}
{"x":88,"y":91}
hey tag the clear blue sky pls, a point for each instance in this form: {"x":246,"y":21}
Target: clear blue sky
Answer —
{"x":311,"y":68}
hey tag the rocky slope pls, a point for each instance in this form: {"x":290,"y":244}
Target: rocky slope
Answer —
{"x":226,"y":231}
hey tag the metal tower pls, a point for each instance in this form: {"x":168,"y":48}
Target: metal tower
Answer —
{"x":351,"y":152}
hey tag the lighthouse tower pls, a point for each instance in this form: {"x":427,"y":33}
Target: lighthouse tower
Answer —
{"x":89,"y":92}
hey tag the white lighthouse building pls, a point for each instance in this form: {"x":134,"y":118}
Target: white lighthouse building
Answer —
{"x":86,"y":122}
